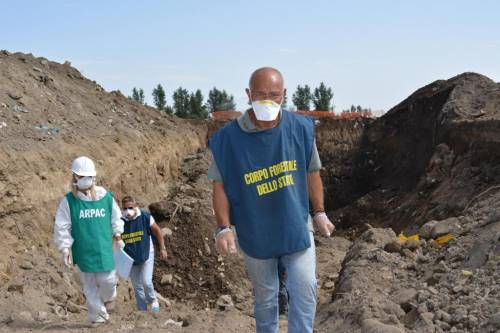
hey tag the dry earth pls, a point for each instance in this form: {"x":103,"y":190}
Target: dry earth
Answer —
{"x":429,"y":166}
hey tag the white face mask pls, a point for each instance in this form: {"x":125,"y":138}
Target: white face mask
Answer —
{"x":84,"y":183}
{"x":129,"y":212}
{"x":266,"y":110}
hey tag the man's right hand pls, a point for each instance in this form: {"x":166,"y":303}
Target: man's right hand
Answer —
{"x":324,"y":225}
{"x":66,"y":257}
{"x":225,"y":243}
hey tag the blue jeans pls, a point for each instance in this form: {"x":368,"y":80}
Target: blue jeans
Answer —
{"x":142,"y":281}
{"x":301,"y":286}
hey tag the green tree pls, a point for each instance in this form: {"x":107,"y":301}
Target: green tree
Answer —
{"x":141,"y":96}
{"x":181,"y":102}
{"x":159,"y":97}
{"x":358,"y":109}
{"x":197,"y":109}
{"x":169,"y":109}
{"x":138,"y":95}
{"x":322,"y":98}
{"x":302,"y":98}
{"x":220,"y":100}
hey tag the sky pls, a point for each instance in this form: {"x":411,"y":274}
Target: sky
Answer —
{"x":372,"y":53}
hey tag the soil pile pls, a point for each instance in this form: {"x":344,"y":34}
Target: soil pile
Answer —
{"x":195,"y":272}
{"x":50,"y":114}
{"x":425,"y":159}
{"x":427,"y":167}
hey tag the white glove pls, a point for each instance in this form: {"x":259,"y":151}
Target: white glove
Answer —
{"x":66,"y":257}
{"x":225,"y":242}
{"x":121,"y":244}
{"x":323,"y":224}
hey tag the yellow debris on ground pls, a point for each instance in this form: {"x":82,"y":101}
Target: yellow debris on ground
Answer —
{"x":443,"y":239}
{"x":404,"y":238}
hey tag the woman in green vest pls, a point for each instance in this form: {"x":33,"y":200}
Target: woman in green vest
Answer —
{"x":87,"y":220}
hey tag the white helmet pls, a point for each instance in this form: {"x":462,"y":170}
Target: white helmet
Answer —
{"x":83,"y":166}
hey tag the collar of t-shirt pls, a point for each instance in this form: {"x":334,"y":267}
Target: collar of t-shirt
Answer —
{"x":247,"y":125}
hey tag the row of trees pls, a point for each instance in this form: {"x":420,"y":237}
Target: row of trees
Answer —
{"x":321,"y":98}
{"x":192,"y":105}
{"x":358,"y":109}
{"x":186,"y":104}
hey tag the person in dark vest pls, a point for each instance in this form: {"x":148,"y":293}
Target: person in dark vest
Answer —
{"x":138,"y":229}
{"x":87,"y":220}
{"x":265,"y":170}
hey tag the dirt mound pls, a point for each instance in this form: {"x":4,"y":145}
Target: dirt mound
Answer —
{"x":50,"y":114}
{"x":195,"y":272}
{"x":403,"y":141}
{"x":426,"y":158}
{"x":429,"y":166}
{"x":339,"y":142}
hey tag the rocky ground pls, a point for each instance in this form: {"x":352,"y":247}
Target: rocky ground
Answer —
{"x":427,"y":167}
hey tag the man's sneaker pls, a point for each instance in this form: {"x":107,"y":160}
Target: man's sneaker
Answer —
{"x":155,"y":307}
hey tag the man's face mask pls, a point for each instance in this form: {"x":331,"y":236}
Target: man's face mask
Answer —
{"x":266,"y":109}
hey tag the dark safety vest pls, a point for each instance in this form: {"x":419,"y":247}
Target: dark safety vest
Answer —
{"x":137,"y":237}
{"x":265,"y":180}
{"x":92,"y":233}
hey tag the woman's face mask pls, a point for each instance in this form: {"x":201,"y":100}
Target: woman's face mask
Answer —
{"x":84,"y":183}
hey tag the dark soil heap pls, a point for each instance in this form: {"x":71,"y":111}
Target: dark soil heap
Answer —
{"x":430,"y":166}
{"x":425,"y":159}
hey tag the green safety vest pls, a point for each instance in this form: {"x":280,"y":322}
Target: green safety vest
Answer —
{"x":92,"y":233}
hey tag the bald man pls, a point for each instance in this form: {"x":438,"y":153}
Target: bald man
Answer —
{"x":265,"y":169}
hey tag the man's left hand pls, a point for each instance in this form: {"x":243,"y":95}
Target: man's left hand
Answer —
{"x":325,"y":227}
{"x":163,"y":254}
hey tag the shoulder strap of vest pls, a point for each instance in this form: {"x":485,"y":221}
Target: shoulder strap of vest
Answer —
{"x":70,"y":197}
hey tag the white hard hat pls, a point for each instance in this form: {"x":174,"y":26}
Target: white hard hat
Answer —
{"x":83,"y":166}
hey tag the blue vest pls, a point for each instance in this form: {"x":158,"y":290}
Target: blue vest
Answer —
{"x":137,"y":237}
{"x":265,"y":180}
